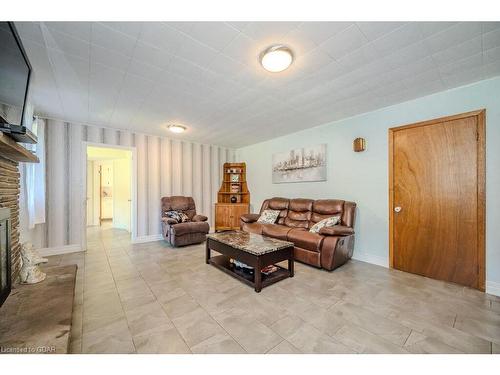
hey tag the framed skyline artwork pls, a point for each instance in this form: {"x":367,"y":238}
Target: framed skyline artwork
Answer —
{"x":306,"y":164}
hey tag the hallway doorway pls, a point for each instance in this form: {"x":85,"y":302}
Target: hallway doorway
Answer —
{"x":109,"y":191}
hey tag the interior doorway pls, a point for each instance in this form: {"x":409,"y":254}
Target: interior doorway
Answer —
{"x":437,"y":199}
{"x":110,"y":189}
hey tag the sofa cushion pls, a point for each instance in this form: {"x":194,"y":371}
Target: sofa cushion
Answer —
{"x":305,"y":239}
{"x":192,"y":227}
{"x":252,"y":227}
{"x":299,"y":213}
{"x":268,"y":217}
{"x":280,"y":204}
{"x":179,"y":203}
{"x":325,"y":208}
{"x":276,"y":231}
{"x":325,"y":223}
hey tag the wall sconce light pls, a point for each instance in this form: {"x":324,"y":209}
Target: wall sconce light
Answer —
{"x":359,"y":145}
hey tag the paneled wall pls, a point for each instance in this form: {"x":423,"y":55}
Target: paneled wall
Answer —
{"x":164,"y":166}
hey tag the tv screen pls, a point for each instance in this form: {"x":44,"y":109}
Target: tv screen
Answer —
{"x":14,"y":75}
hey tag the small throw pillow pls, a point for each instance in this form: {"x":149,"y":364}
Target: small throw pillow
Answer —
{"x":268,"y":217}
{"x":325,"y":223}
{"x":179,"y":216}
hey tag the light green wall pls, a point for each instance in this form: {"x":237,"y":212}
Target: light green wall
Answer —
{"x":363,"y":177}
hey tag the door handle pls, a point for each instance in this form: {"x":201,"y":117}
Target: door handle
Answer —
{"x":397,"y":209}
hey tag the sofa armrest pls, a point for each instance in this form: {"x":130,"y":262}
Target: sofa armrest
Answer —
{"x":336,"y":230}
{"x":169,"y":220}
{"x":200,"y":218}
{"x":249,"y":218}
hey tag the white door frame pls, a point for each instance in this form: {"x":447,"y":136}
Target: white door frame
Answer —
{"x":133,"y":187}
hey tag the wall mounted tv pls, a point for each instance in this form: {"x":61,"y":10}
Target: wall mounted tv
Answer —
{"x":15,"y":72}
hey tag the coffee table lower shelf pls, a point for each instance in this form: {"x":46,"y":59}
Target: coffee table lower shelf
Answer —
{"x":223,"y":263}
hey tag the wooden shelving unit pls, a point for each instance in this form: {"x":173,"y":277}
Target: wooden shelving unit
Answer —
{"x":234,"y":184}
{"x":233,"y":198}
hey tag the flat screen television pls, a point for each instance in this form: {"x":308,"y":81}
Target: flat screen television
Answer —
{"x":15,"y":72}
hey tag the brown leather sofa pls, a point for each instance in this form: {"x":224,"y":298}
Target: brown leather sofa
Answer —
{"x":182,"y":234}
{"x":328,"y":249}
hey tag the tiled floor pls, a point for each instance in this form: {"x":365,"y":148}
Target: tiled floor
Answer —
{"x":150,"y":298}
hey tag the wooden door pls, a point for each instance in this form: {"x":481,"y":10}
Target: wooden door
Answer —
{"x":437,"y":199}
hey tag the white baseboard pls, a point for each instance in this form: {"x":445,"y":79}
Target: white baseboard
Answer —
{"x":151,"y":238}
{"x":493,"y":288}
{"x":370,"y":258}
{"x":59,"y":250}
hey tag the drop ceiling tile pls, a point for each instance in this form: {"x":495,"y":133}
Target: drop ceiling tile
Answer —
{"x":226,"y":66}
{"x":185,"y":68}
{"x":151,"y":55}
{"x":299,"y":41}
{"x":79,"y":30}
{"x":360,"y":57}
{"x":160,"y":35}
{"x":344,"y":42}
{"x":490,"y":26}
{"x":491,"y":70}
{"x":214,"y":34}
{"x":110,"y":58}
{"x":244,"y":50}
{"x":67,"y":44}
{"x":409,"y":54}
{"x":454,"y":35}
{"x":132,"y":29}
{"x":142,"y":69}
{"x":430,"y":28}
{"x":269,"y":30}
{"x":431,"y":75}
{"x":492,"y":55}
{"x":463,"y":76}
{"x":461,"y":65}
{"x":196,"y":52}
{"x":398,"y":39}
{"x":457,"y":52}
{"x":374,"y":30}
{"x":30,"y":31}
{"x":312,"y":61}
{"x":315,"y":33}
{"x":108,"y":38}
{"x":491,"y":39}
{"x":135,"y":87}
{"x":183,"y":26}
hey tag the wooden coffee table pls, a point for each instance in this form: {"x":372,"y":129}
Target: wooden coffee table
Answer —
{"x":254,"y":250}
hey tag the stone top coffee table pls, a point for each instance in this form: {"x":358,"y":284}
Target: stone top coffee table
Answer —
{"x":254,"y":250}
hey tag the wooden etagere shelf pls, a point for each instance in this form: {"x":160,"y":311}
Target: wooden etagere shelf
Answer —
{"x":234,"y":184}
{"x":233,"y":199}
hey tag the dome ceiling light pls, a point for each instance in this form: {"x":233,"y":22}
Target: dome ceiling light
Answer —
{"x":276,"y":58}
{"x":174,"y":128}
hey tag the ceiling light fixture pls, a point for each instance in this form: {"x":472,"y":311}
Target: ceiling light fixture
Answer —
{"x":276,"y":58}
{"x":177,"y":128}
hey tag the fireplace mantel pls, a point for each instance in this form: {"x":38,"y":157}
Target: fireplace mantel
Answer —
{"x":10,"y":149}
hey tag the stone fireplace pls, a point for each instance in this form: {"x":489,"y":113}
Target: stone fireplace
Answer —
{"x":5,"y":259}
{"x":11,"y":153}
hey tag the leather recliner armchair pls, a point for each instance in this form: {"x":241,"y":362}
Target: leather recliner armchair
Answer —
{"x":328,"y":249}
{"x":187,"y":233}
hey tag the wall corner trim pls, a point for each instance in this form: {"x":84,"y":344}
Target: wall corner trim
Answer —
{"x":493,"y":288}
{"x":370,"y":258}
{"x":59,"y":250}
{"x":151,"y":238}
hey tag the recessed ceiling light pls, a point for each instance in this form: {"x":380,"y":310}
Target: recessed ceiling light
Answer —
{"x":276,"y":58}
{"x":177,"y":128}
